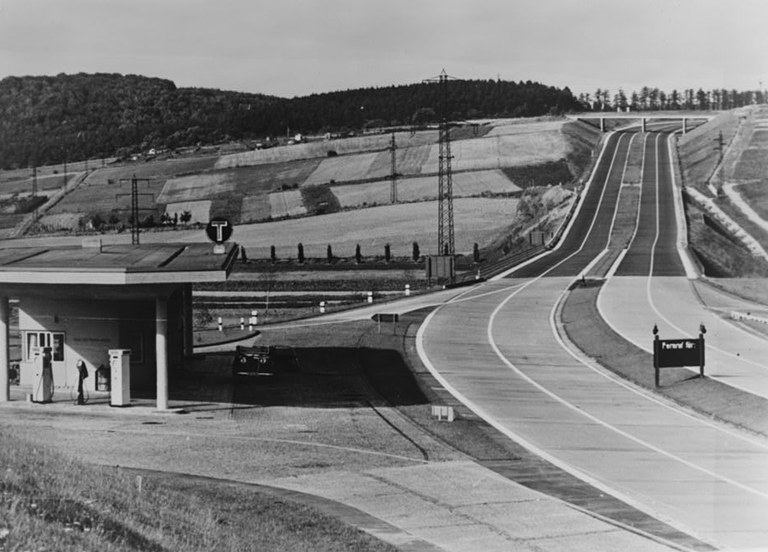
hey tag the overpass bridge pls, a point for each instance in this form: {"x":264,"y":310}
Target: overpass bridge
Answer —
{"x":685,"y":117}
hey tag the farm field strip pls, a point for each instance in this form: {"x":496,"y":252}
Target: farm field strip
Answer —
{"x":97,"y":197}
{"x":255,"y":208}
{"x":476,"y":220}
{"x":424,"y":188}
{"x":194,"y":187}
{"x":502,"y":151}
{"x":515,"y":126}
{"x":349,"y":167}
{"x":200,"y":210}
{"x":320,"y":149}
{"x":286,"y":204}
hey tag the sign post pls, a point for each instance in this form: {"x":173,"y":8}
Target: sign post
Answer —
{"x":677,"y":353}
{"x":218,"y":231}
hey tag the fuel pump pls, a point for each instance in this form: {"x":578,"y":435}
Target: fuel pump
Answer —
{"x":42,"y":381}
{"x":82,"y":373}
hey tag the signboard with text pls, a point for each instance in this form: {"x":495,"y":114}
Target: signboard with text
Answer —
{"x":677,"y":353}
{"x":673,"y":353}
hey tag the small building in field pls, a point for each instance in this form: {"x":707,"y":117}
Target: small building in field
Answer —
{"x":85,"y":301}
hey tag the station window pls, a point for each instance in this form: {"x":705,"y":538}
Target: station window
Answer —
{"x":54,"y":340}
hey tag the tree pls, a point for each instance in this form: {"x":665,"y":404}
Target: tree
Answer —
{"x":476,"y":253}
{"x":329,"y":254}
{"x":97,"y":222}
{"x":301,"y":252}
{"x":701,"y":99}
{"x":272,"y":254}
{"x":645,"y":94}
{"x":185,"y":217}
{"x":653,"y":98}
{"x":358,"y":254}
{"x":674,"y":99}
{"x":620,"y":100}
{"x":416,"y":252}
{"x":423,"y":116}
{"x":387,"y":253}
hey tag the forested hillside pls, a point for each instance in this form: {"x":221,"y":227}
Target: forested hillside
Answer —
{"x":47,"y":120}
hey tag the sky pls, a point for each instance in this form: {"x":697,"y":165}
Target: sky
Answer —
{"x":298,"y":47}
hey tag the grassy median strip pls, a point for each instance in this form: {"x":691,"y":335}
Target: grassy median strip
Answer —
{"x":51,"y":502}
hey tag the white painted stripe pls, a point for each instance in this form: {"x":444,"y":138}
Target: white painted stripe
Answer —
{"x":568,"y":229}
{"x":522,"y":441}
{"x":682,"y":230}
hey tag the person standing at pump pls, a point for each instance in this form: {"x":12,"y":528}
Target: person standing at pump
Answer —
{"x":82,"y":373}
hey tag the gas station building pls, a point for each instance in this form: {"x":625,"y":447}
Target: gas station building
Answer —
{"x":85,"y":303}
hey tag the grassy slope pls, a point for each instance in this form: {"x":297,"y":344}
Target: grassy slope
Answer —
{"x":51,"y":502}
{"x":240,"y":189}
{"x":721,"y":255}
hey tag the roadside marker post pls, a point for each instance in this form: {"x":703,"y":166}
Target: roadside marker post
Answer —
{"x":220,"y":326}
{"x":677,"y":353}
{"x":242,"y":323}
{"x":370,"y":297}
{"x":407,"y":290}
{"x":253,"y":320}
{"x":322,"y":307}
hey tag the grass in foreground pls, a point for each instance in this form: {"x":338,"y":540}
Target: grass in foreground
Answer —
{"x":50,"y":502}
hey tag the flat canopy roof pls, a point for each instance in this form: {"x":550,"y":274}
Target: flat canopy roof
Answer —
{"x":94,"y":263}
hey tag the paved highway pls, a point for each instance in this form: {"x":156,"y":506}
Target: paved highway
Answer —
{"x":650,"y":288}
{"x":498,"y":349}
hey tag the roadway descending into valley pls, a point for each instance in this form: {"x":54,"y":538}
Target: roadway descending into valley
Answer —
{"x":497,"y":348}
{"x":650,"y":288}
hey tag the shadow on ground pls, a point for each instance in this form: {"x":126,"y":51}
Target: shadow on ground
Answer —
{"x":327,"y":377}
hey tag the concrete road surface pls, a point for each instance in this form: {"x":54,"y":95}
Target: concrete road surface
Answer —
{"x":498,"y":350}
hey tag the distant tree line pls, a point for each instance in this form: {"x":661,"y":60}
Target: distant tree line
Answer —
{"x":53,"y":119}
{"x":653,"y":99}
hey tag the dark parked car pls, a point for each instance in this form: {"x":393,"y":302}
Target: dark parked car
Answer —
{"x":264,"y":361}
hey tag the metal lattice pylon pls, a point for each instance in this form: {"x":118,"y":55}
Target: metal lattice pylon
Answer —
{"x":393,"y":189}
{"x":445,"y":239}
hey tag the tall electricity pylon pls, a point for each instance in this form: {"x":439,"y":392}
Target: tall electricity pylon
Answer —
{"x":135,"y":208}
{"x":445,"y":238}
{"x":393,"y":191}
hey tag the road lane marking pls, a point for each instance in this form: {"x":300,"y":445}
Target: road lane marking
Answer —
{"x":554,"y":396}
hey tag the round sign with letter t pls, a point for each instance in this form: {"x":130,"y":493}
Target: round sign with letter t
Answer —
{"x":219,"y":230}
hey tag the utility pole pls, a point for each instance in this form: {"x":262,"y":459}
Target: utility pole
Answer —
{"x":445,"y":226}
{"x":135,"y":223}
{"x":34,"y":191}
{"x":393,"y":191}
{"x":720,"y":143}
